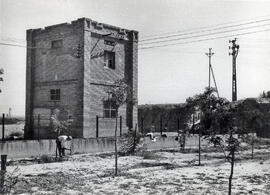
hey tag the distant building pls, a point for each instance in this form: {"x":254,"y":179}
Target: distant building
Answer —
{"x":69,"y":66}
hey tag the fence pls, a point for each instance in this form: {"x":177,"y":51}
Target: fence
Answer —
{"x":160,"y":125}
{"x":42,"y":127}
{"x":98,"y":124}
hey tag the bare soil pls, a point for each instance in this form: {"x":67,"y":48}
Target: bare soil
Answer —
{"x":150,"y":172}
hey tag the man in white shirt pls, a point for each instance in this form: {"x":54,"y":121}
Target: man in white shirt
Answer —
{"x":62,"y":144}
{"x":58,"y":127}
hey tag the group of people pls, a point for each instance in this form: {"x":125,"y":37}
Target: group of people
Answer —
{"x":61,"y":128}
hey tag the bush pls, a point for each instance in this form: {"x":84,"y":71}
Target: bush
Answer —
{"x":10,"y":180}
{"x":130,"y":143}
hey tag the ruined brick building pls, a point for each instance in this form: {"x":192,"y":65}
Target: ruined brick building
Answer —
{"x":69,"y":66}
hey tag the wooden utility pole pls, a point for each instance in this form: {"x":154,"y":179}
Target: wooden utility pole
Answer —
{"x":234,"y":53}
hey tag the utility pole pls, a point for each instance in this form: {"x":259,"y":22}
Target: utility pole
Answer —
{"x":234,"y":53}
{"x":209,"y":54}
{"x":1,"y":78}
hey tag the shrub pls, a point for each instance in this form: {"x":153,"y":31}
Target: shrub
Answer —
{"x":130,"y":143}
{"x":10,"y":180}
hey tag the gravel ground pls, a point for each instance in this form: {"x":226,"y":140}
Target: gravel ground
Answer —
{"x":152,"y":172}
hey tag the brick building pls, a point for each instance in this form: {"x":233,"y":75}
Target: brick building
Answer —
{"x":69,"y":67}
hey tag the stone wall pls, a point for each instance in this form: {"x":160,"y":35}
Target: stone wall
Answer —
{"x":35,"y":148}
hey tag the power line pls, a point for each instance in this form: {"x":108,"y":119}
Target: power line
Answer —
{"x":196,"y":32}
{"x":157,"y":46}
{"x":203,"y":35}
{"x":176,"y":35}
{"x":205,"y":27}
{"x":213,"y":29}
{"x":10,"y":44}
{"x":201,"y":40}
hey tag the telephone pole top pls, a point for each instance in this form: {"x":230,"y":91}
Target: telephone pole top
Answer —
{"x":234,"y":53}
{"x":209,"y":54}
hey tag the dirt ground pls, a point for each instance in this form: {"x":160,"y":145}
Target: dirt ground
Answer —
{"x":150,"y":172}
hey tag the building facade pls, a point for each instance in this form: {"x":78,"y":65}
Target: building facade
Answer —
{"x":69,"y":67}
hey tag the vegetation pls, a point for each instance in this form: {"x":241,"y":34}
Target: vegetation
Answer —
{"x":130,"y":143}
{"x":208,"y":105}
{"x":8,"y":180}
{"x":218,"y":116}
{"x":265,"y":94}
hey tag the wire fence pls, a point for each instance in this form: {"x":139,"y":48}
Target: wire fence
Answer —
{"x":41,"y":127}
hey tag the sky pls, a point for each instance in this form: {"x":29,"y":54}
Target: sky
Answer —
{"x":166,"y":74}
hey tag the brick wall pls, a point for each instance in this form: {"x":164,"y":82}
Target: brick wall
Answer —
{"x":82,"y":81}
{"x":98,"y":78}
{"x":50,"y":68}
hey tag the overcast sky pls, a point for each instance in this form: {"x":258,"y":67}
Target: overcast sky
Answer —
{"x":166,"y":74}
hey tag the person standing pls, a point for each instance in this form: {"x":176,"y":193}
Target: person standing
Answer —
{"x":57,"y":128}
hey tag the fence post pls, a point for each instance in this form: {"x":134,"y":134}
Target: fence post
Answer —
{"x":38,"y":126}
{"x":3,"y":162}
{"x":160,"y":125}
{"x":120,"y":125}
{"x":142,"y":119}
{"x":178,"y":126}
{"x":3,"y":170}
{"x":97,"y":126}
{"x":3,"y":127}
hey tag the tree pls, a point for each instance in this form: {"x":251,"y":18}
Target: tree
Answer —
{"x":233,"y":123}
{"x":1,"y":78}
{"x":229,"y":146}
{"x":207,"y":104}
{"x":119,"y":93}
{"x":250,"y":119}
{"x":265,"y":94}
{"x":232,"y":120}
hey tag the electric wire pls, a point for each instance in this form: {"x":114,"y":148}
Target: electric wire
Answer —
{"x":196,"y":32}
{"x":206,"y":39}
{"x":205,"y":27}
{"x":162,"y":45}
{"x":203,"y":35}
